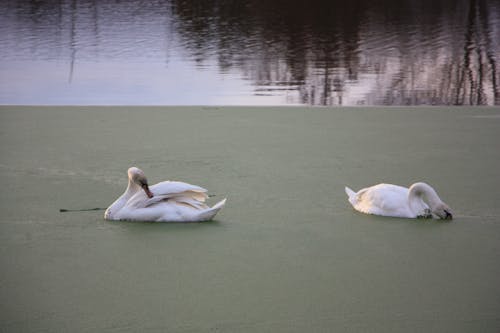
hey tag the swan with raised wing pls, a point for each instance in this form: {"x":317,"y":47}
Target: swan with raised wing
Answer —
{"x":418,"y":201}
{"x":167,"y":201}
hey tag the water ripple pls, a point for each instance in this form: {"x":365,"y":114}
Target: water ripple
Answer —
{"x":325,"y":53}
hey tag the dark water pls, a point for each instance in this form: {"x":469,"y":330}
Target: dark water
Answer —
{"x":250,"y":52}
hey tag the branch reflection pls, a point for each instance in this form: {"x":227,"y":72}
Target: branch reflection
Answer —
{"x":315,"y":52}
{"x":351,"y":52}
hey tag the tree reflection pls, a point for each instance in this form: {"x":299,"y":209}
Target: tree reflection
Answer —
{"x":324,"y":52}
{"x":316,"y":52}
{"x":479,"y":60}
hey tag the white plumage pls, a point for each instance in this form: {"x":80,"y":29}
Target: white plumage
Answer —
{"x":168,"y":201}
{"x":420,"y":200}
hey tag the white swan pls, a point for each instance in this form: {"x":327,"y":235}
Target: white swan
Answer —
{"x":168,"y":201}
{"x":420,"y":200}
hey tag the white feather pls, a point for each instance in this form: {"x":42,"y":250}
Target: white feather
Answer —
{"x":172,"y":201}
{"x":392,"y":200}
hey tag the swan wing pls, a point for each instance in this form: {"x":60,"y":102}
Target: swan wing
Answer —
{"x":169,"y":189}
{"x":178,"y":210}
{"x":383,"y":199}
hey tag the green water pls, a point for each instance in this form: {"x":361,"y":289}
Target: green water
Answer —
{"x":287,"y":253}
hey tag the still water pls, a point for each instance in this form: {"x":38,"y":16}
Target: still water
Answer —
{"x":250,"y":52}
{"x":287,"y":254}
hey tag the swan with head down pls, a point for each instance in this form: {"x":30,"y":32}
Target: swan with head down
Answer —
{"x":167,"y":201}
{"x":418,"y":201}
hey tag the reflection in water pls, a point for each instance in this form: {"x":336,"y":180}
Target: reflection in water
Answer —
{"x":358,"y":52}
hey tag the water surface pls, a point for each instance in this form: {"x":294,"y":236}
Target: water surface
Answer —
{"x":250,"y":52}
{"x":287,"y":253}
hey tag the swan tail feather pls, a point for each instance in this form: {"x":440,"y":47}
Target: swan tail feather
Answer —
{"x":210,"y":213}
{"x":220,"y":204}
{"x":351,"y":194}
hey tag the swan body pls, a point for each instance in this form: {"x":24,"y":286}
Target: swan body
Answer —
{"x":418,"y":201}
{"x":168,"y":201}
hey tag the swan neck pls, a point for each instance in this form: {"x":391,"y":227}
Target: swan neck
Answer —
{"x":121,"y":201}
{"x":131,"y":189}
{"x":422,"y":191}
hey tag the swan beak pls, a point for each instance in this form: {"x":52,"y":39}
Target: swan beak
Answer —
{"x":448,"y":216}
{"x":145,"y":187}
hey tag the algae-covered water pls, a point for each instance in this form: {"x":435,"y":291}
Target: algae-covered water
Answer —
{"x":287,"y":254}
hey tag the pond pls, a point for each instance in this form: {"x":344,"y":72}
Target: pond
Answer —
{"x":250,"y":52}
{"x":286,"y":254}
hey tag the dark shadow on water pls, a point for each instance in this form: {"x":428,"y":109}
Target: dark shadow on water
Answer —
{"x":174,"y":226}
{"x":417,"y":222}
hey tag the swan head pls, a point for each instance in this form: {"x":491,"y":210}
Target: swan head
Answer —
{"x":438,"y":207}
{"x":136,"y":176}
{"x":442,"y":211}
